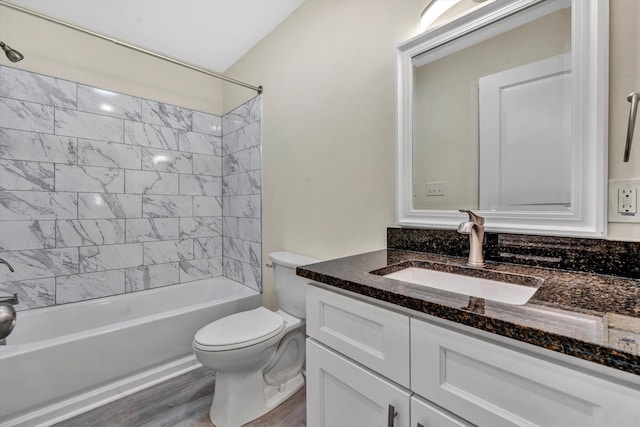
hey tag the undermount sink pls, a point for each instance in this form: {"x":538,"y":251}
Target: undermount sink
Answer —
{"x":508,"y":288}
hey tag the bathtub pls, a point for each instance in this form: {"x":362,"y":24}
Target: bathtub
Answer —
{"x":64,"y":360}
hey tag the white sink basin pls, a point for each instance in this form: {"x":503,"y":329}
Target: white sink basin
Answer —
{"x":507,"y":293}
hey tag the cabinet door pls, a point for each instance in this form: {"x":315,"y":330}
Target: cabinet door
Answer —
{"x":341,"y":393}
{"x":426,"y":414}
{"x":373,"y":336}
{"x":491,"y":385}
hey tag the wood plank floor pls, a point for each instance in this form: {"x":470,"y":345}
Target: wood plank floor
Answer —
{"x":183,"y":401}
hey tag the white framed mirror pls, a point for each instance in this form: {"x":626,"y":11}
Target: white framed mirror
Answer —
{"x":504,"y":111}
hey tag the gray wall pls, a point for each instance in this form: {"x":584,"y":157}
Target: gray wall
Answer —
{"x":104,"y":193}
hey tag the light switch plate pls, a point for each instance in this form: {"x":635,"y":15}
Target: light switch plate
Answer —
{"x":623,"y":200}
{"x":435,"y":188}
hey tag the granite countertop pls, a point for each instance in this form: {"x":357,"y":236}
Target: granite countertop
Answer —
{"x":585,"y":315}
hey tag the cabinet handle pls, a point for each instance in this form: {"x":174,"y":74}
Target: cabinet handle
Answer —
{"x":391,"y":414}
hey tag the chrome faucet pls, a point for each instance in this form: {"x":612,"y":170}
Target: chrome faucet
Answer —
{"x":475,"y":229}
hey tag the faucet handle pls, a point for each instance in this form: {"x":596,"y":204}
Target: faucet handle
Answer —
{"x":476,"y":219}
{"x":9,"y":299}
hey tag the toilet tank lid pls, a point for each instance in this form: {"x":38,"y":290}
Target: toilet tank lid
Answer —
{"x":289,"y":259}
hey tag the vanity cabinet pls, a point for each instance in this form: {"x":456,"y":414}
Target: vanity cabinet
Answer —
{"x":426,"y":414}
{"x":491,"y":385}
{"x":362,"y":358}
{"x":341,"y":393}
{"x":371,"y":335}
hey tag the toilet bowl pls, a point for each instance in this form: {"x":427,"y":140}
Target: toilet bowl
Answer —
{"x":258,"y":354}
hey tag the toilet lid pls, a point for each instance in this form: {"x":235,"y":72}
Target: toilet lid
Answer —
{"x":240,"y":330}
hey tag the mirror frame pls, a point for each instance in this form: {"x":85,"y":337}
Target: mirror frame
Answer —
{"x":590,"y":69}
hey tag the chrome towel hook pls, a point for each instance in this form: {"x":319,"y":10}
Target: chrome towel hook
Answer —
{"x":633,"y":99}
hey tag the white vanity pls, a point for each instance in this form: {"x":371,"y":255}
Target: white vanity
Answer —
{"x":376,"y":364}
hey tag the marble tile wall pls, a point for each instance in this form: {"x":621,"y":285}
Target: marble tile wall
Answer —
{"x":241,"y":189}
{"x":104,"y":193}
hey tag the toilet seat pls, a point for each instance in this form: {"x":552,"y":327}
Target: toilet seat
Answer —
{"x":239,"y":330}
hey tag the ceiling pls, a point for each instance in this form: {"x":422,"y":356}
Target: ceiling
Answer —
{"x":210,"y":33}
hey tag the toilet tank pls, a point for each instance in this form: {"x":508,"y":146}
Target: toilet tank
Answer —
{"x":290,"y":289}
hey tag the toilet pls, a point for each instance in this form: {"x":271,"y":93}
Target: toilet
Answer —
{"x":258,"y":354}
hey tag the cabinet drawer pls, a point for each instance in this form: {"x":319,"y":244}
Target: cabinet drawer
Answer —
{"x":371,"y":335}
{"x":490,"y":385}
{"x":426,"y":414}
{"x":341,"y":393}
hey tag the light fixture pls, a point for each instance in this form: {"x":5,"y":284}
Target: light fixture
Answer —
{"x":433,"y":11}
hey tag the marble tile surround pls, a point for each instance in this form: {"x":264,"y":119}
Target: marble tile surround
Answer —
{"x":103,"y":193}
{"x":241,"y":194}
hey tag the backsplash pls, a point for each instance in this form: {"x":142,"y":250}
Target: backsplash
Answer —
{"x":565,"y":253}
{"x":104,"y":193}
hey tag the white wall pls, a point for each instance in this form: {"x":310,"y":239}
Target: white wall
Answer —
{"x":64,"y":53}
{"x":624,"y":78}
{"x":328,"y":125}
{"x":329,"y":78}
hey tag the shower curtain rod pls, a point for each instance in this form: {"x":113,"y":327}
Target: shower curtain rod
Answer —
{"x":258,"y":89}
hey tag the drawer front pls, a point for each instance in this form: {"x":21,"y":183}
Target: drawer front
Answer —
{"x":488,"y":384}
{"x":341,"y":393}
{"x":371,"y":335}
{"x":426,"y":414}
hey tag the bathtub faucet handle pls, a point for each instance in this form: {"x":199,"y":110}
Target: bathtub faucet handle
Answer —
{"x":7,"y":321}
{"x":9,"y":299}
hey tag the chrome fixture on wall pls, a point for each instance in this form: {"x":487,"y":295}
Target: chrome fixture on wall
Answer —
{"x":7,"y":321}
{"x":7,"y":312}
{"x":633,"y":98}
{"x":12,"y":54}
{"x":7,"y":316}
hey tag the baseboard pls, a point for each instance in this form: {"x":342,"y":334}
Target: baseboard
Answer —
{"x":68,"y":408}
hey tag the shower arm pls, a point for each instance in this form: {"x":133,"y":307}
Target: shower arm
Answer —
{"x":211,"y":73}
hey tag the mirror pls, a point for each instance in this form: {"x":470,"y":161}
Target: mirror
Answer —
{"x":503,"y":111}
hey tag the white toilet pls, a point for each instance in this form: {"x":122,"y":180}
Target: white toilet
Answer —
{"x":258,"y":354}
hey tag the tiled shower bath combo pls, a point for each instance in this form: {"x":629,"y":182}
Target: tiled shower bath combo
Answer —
{"x":104,"y":193}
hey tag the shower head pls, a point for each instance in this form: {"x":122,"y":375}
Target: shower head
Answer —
{"x":12,"y":54}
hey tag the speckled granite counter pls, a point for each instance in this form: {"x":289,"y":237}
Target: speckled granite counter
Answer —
{"x":586,"y":315}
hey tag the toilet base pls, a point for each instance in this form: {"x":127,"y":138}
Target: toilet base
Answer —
{"x":248,"y":398}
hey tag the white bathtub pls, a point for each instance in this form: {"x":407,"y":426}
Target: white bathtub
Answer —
{"x":64,"y":360}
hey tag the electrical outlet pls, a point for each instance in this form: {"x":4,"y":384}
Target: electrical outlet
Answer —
{"x":629,"y":345}
{"x":435,"y":188}
{"x":623,"y":200}
{"x":628,"y":201}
